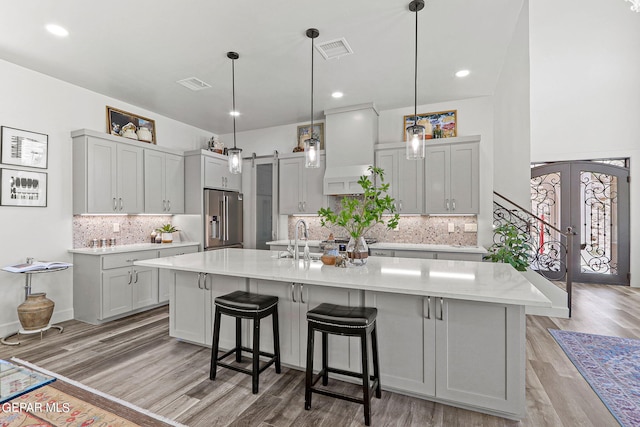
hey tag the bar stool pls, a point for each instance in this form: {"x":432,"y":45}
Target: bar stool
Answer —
{"x":351,"y":322}
{"x":245,"y":305}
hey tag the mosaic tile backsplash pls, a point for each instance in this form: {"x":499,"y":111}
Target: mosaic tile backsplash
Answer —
{"x":412,"y":229}
{"x":133,"y":228}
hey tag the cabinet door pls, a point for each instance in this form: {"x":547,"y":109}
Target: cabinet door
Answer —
{"x":189,"y":308}
{"x":289,"y":320}
{"x":406,"y":337}
{"x":410,"y":188}
{"x":130,"y":178}
{"x":101,"y":176}
{"x":167,"y":277}
{"x":464,"y":178}
{"x":215,"y":171}
{"x":313,"y":198}
{"x":174,"y":183}
{"x":116,"y":292}
{"x":145,"y":286}
{"x":477,"y":334}
{"x":290,"y":187}
{"x":154,"y":182}
{"x":233,"y":181}
{"x":437,"y":171}
{"x":388,"y":160}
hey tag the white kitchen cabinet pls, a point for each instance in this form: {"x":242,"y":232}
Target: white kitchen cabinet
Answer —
{"x":300,"y":189}
{"x":406,"y":179}
{"x":433,"y":347}
{"x":165,"y":277}
{"x":127,"y":289}
{"x":163,"y":183}
{"x":451,"y":178}
{"x":217,"y":175}
{"x":191,"y":307}
{"x":294,"y":300}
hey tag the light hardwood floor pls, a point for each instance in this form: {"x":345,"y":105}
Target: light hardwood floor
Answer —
{"x":136,"y":360}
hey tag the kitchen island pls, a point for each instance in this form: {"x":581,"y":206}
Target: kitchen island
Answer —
{"x":448,"y":331}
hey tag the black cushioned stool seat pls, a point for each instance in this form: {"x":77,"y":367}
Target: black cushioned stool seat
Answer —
{"x":347,"y":321}
{"x":246,"y":305}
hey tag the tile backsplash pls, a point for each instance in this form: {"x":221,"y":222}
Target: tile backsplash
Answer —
{"x":412,"y":229}
{"x":133,"y":228}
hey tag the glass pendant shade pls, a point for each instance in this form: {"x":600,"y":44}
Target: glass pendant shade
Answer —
{"x":415,"y":142}
{"x":312,"y":153}
{"x":235,"y":160}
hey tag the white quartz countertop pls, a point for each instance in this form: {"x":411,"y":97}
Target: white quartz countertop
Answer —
{"x":130,"y":248}
{"x":467,"y":280}
{"x":400,"y":246}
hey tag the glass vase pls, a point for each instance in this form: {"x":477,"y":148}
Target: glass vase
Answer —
{"x":357,"y":251}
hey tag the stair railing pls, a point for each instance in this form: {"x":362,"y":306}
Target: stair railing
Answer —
{"x":551,"y":256}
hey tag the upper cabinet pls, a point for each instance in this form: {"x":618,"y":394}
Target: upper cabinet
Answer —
{"x":300,"y":188}
{"x":217,"y":175}
{"x":405,"y":179}
{"x":451,"y":178}
{"x":163,"y":182}
{"x":113,"y":175}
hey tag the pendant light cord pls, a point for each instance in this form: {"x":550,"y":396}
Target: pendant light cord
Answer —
{"x":415,"y":76}
{"x":311,"y":128}
{"x":233,"y":97}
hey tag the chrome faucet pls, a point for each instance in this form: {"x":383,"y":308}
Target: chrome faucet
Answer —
{"x":296,"y":256}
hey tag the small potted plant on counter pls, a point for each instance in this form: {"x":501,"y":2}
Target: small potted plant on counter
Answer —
{"x":166,"y":231}
{"x":359,"y":214}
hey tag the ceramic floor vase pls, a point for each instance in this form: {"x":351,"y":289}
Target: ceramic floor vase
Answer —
{"x":35,"y":312}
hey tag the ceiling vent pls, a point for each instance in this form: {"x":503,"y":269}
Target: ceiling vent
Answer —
{"x":334,"y":48}
{"x":194,"y":83}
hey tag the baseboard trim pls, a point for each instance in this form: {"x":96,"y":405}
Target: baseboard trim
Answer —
{"x":58,"y":316}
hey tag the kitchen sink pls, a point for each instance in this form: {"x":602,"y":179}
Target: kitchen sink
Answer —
{"x":315,"y":256}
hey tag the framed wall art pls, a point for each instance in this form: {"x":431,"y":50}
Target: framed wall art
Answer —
{"x":23,"y":188}
{"x":304,"y":134}
{"x":130,"y":125}
{"x":24,"y":148}
{"x":444,"y":124}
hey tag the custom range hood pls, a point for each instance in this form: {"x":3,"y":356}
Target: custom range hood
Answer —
{"x":351,"y":133}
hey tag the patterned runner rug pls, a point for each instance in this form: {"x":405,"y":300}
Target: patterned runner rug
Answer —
{"x":611,"y":366}
{"x":67,"y":403}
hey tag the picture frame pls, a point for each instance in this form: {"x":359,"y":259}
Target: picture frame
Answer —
{"x":24,"y":148}
{"x":303,"y":134}
{"x":20,"y":187}
{"x":444,"y":121}
{"x":117,"y":120}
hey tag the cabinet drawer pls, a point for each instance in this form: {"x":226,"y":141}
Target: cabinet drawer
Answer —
{"x":177,"y":251}
{"x":126,"y":259}
{"x":416,"y":254}
{"x":382,"y":252}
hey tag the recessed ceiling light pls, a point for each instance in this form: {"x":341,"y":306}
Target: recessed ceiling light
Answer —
{"x":234,"y":113}
{"x":57,"y":30}
{"x":462,"y":73}
{"x":337,"y":94}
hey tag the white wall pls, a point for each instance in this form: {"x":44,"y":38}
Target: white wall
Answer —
{"x":39,"y":103}
{"x":585,"y":88}
{"x":512,"y":149}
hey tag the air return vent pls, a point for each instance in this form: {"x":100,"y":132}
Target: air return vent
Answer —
{"x":334,"y":48}
{"x":194,"y":83}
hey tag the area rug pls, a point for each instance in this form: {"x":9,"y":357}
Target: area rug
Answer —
{"x":67,"y":403}
{"x":611,"y":366}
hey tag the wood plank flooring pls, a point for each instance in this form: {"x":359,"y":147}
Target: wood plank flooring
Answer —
{"x":136,"y":360}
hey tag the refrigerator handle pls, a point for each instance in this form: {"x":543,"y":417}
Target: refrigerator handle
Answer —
{"x":226,"y":216}
{"x":222,"y":220}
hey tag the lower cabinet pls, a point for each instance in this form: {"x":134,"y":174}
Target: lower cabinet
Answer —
{"x":128,"y":288}
{"x":165,"y":277}
{"x":191,"y":307}
{"x":467,"y":352}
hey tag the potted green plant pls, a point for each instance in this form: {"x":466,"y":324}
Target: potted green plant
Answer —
{"x":166,"y":231}
{"x":359,"y":214}
{"x":512,"y":247}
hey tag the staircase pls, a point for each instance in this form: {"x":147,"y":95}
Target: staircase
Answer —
{"x":548,"y":266}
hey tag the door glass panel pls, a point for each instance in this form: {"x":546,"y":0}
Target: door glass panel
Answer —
{"x":545,"y":204}
{"x":599,"y":245}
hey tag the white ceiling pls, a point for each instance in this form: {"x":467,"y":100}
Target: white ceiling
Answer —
{"x":137,"y":50}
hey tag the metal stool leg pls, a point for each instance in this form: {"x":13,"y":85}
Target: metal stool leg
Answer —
{"x":238,"y":339}
{"x":325,"y":358}
{"x":214,"y":346}
{"x":276,"y":339}
{"x":376,"y":365}
{"x":365,"y":378}
{"x":256,"y":354}
{"x":309,"y":376}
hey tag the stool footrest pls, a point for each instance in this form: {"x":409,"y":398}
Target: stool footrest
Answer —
{"x":271,"y":356}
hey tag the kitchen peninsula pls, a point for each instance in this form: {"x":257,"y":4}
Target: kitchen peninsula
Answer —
{"x":449,"y":331}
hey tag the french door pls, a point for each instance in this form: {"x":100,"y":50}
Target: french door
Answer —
{"x":593,"y":198}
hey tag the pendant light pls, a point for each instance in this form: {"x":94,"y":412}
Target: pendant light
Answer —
{"x":416,"y":134}
{"x":312,"y":145}
{"x":235,"y":154}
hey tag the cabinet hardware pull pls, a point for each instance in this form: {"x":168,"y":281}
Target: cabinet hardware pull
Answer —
{"x":400,"y":209}
{"x":446,"y":201}
{"x":302,"y":294}
{"x":428,"y":308}
{"x":115,"y":204}
{"x":293,"y":294}
{"x":453,"y":201}
{"x":441,"y":310}
{"x":204,"y":281}
{"x":199,"y":278}
{"x":130,"y":278}
{"x":120,"y":203}
{"x":168,"y":205}
{"x":304,"y":206}
{"x":135,"y":276}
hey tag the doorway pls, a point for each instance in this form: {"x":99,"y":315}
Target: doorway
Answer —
{"x":592,"y":197}
{"x":261,"y":198}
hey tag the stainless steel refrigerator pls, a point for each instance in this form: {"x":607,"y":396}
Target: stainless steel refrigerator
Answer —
{"x":223,"y":219}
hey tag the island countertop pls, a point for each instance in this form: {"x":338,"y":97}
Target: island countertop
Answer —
{"x":466,"y":280}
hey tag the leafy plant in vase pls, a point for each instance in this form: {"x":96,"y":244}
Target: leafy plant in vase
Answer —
{"x":512,"y":247}
{"x":167,"y":231}
{"x":359,"y":214}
